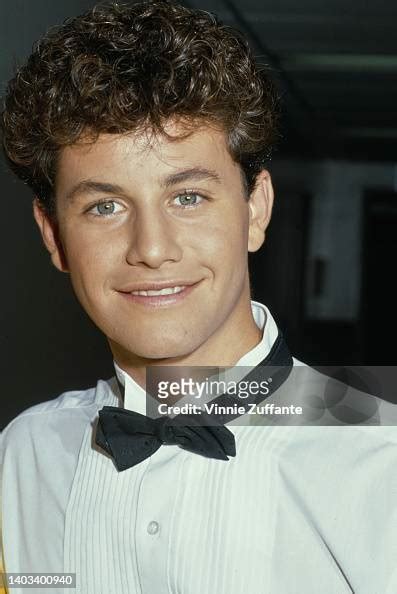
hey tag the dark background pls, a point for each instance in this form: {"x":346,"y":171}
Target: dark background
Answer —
{"x":327,"y":268}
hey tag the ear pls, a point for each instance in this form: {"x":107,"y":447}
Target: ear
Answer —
{"x":50,"y":234}
{"x":260,"y":206}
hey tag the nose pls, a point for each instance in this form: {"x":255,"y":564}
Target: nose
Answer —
{"x":153,"y":241}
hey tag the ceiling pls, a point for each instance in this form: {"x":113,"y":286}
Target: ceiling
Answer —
{"x":335,"y":61}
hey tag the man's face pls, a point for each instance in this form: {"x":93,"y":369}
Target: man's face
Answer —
{"x":155,"y":237}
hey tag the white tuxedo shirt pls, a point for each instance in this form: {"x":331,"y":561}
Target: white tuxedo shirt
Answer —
{"x":298,"y":510}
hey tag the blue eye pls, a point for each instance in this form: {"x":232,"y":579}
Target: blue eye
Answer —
{"x":104,"y":208}
{"x":189,"y":199}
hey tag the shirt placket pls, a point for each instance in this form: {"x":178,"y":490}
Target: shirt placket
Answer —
{"x":156,"y":514}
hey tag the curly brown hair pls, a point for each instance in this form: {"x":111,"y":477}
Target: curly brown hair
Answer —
{"x":118,"y":68}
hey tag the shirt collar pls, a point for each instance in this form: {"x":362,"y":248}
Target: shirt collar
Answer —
{"x":135,"y":395}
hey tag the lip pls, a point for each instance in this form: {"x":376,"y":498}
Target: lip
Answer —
{"x":156,"y":301}
{"x":156,"y":285}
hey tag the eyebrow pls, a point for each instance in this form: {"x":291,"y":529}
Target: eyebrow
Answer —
{"x":192,"y":174}
{"x":92,"y":187}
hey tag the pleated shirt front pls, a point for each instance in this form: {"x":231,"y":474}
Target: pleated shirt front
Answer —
{"x":299,"y":509}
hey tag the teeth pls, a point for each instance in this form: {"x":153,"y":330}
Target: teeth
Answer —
{"x":165,"y":291}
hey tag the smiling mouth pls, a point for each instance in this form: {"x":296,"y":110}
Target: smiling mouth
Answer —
{"x":165,"y":291}
{"x":160,"y":297}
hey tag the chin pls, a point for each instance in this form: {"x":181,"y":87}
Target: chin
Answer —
{"x":160,"y":349}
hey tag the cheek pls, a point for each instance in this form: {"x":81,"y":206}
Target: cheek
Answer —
{"x":90,"y":267}
{"x":90,"y":255}
{"x":223,"y":251}
{"x":225,"y":242}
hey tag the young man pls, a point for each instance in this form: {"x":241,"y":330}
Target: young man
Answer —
{"x":143,"y":132}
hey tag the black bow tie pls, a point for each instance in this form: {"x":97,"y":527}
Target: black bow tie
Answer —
{"x":130,"y":437}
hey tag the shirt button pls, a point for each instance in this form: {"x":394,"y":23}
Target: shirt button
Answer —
{"x":153,"y":527}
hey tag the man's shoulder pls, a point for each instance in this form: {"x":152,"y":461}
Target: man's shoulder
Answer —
{"x":71,"y":399}
{"x":350,"y":397}
{"x":69,"y":407}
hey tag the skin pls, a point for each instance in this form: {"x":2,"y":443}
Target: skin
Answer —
{"x":195,"y":230}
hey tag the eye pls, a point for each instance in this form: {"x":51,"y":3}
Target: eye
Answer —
{"x":189,"y":199}
{"x":104,"y":208}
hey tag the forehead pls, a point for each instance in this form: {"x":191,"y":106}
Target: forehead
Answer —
{"x":145,"y":152}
